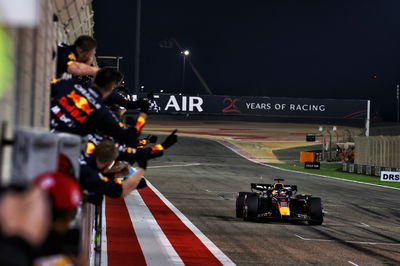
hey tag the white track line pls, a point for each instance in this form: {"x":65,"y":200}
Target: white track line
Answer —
{"x":238,"y":153}
{"x":275,"y":167}
{"x":352,"y":263}
{"x":348,"y":241}
{"x":207,"y":242}
{"x":270,"y":141}
{"x":302,"y":238}
{"x":175,"y":165}
{"x":220,"y":191}
{"x":155,"y":245}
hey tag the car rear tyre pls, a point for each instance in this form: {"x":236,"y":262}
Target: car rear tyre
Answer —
{"x":251,"y":203}
{"x":315,"y":211}
{"x":240,"y":204}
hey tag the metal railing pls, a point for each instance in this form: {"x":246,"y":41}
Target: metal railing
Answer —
{"x":330,"y":138}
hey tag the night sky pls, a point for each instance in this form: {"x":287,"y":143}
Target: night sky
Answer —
{"x":287,"y":48}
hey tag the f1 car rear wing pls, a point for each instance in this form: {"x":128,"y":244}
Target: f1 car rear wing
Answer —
{"x":261,"y":187}
{"x":265,"y":187}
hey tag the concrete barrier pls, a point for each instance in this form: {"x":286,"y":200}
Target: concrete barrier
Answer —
{"x":381,"y":151}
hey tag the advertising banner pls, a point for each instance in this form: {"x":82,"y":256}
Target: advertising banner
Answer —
{"x":390,"y":176}
{"x":262,"y":106}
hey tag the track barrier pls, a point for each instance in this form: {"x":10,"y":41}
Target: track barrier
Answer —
{"x":375,"y":154}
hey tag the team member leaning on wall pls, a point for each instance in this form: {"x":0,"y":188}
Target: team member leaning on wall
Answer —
{"x":81,"y":111}
{"x":99,"y":173}
{"x":77,"y":59}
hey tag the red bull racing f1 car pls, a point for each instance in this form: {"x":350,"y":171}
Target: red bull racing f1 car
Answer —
{"x":278,"y":201}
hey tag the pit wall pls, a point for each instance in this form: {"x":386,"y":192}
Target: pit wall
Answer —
{"x":33,"y":62}
{"x":28,"y":56}
{"x":378,"y":150}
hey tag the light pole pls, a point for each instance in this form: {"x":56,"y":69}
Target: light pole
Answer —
{"x":334,"y":129}
{"x":184,"y":53}
{"x":397,"y":98}
{"x":137,"y":45}
{"x":321,"y":130}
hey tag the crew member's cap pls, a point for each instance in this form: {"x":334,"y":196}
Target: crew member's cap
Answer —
{"x":64,"y":165}
{"x":64,"y":190}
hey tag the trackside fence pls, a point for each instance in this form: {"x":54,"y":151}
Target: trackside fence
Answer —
{"x":375,"y":154}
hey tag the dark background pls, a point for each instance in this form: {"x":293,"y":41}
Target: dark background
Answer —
{"x":279,"y":48}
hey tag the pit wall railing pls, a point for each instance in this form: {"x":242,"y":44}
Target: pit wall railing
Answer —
{"x":35,"y":151}
{"x":336,"y":143}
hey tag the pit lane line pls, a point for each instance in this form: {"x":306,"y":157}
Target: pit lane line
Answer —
{"x":348,"y":241}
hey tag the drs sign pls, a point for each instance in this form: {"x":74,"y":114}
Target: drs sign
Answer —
{"x":390,"y":176}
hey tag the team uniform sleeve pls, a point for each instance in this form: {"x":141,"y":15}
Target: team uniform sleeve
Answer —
{"x":116,"y":98}
{"x":108,"y":124}
{"x":92,"y":181}
{"x":71,"y":58}
{"x":112,"y":189}
{"x":148,"y":153}
{"x":65,"y":57}
{"x":127,"y":157}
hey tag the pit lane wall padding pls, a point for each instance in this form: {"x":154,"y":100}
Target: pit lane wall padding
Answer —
{"x":262,"y":106}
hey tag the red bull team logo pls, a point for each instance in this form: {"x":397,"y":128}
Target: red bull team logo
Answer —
{"x":80,"y":102}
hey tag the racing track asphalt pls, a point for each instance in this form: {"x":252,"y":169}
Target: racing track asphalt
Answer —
{"x":201,"y":178}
